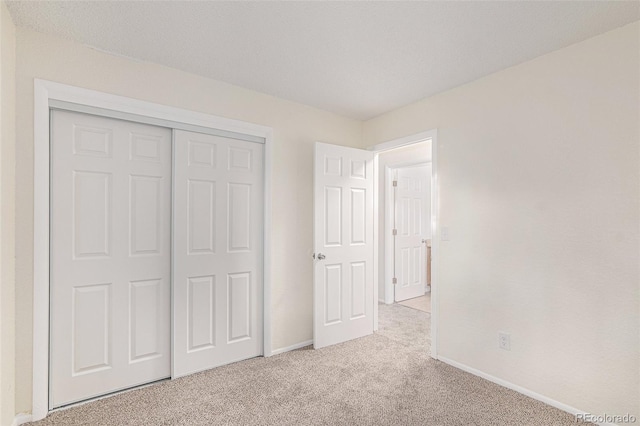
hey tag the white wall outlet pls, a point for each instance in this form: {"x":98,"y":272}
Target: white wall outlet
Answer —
{"x":504,"y":341}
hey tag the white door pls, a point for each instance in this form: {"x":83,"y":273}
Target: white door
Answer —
{"x":110,"y":255}
{"x":343,"y":244}
{"x":218,"y":252}
{"x":412,"y":206}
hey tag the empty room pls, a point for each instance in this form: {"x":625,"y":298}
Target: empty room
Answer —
{"x":319,"y":212}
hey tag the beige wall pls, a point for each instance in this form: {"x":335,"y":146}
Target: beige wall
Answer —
{"x":295,"y":126}
{"x":539,"y":183}
{"x":416,"y":153}
{"x":7,"y":215}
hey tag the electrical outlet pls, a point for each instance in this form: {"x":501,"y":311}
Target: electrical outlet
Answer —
{"x":504,"y":341}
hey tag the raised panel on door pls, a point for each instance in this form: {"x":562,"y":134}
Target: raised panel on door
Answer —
{"x":405,"y":266}
{"x":402,"y":220}
{"x":333,"y":216}
{"x":239,"y":306}
{"x":218,"y":223}
{"x":110,"y":257}
{"x":358,"y":289}
{"x":332,"y":294}
{"x":92,"y":213}
{"x":91,"y":342}
{"x":146,"y":215}
{"x":201,"y":216}
{"x":416,"y":228}
{"x":239,"y":159}
{"x":343,"y":243}
{"x":239,"y":205}
{"x":146,"y":326}
{"x":93,"y":141}
{"x":358,"y":216}
{"x":201,"y":321}
{"x":146,"y":147}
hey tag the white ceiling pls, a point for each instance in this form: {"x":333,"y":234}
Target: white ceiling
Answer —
{"x":357,"y":59}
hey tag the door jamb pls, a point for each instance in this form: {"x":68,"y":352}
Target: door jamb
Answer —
{"x":435,"y":217}
{"x":45,"y":91}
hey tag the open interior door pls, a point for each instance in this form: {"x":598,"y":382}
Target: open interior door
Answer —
{"x":412,"y":225}
{"x":343,"y":244}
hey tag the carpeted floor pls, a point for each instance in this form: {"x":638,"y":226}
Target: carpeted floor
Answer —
{"x":422,"y":303}
{"x":383,"y":379}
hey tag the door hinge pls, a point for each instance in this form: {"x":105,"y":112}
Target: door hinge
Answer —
{"x":395,"y":232}
{"x":394,"y":281}
{"x":395,"y":183}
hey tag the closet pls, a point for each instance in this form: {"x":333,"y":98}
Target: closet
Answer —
{"x":156,"y":248}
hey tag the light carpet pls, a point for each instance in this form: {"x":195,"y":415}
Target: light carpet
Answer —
{"x":384,"y":379}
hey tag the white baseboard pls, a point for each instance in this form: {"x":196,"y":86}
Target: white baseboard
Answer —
{"x":21,"y":419}
{"x":292,"y":347}
{"x":552,"y":402}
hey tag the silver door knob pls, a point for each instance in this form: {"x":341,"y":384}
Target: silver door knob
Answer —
{"x":321,"y":256}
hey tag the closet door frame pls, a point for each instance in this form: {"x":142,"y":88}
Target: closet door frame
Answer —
{"x":47,"y":93}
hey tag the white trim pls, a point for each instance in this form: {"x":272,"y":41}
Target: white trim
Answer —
{"x":435,"y":234}
{"x":44,"y":91}
{"x":40,"y":391}
{"x":549,"y":401}
{"x":376,"y":218}
{"x":435,"y":243}
{"x":85,"y":109}
{"x":172,"y":253}
{"x":21,"y":419}
{"x":266,"y":244}
{"x":403,"y":141}
{"x":292,"y":347}
{"x":92,"y":98}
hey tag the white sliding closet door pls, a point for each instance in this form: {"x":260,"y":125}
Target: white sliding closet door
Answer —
{"x":110,"y":255}
{"x":218,"y":246}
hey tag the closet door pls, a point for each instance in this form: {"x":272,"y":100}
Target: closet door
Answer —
{"x":110,"y":255}
{"x":218,"y":230}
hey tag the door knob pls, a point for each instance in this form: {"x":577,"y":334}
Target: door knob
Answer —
{"x":321,"y":256}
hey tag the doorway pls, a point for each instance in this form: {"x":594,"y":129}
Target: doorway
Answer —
{"x":345,"y":298}
{"x":404,"y":209}
{"x":410,"y":258}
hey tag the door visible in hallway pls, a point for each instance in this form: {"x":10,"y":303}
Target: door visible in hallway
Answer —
{"x":343,"y":244}
{"x":412,"y":213}
{"x":110,"y":255}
